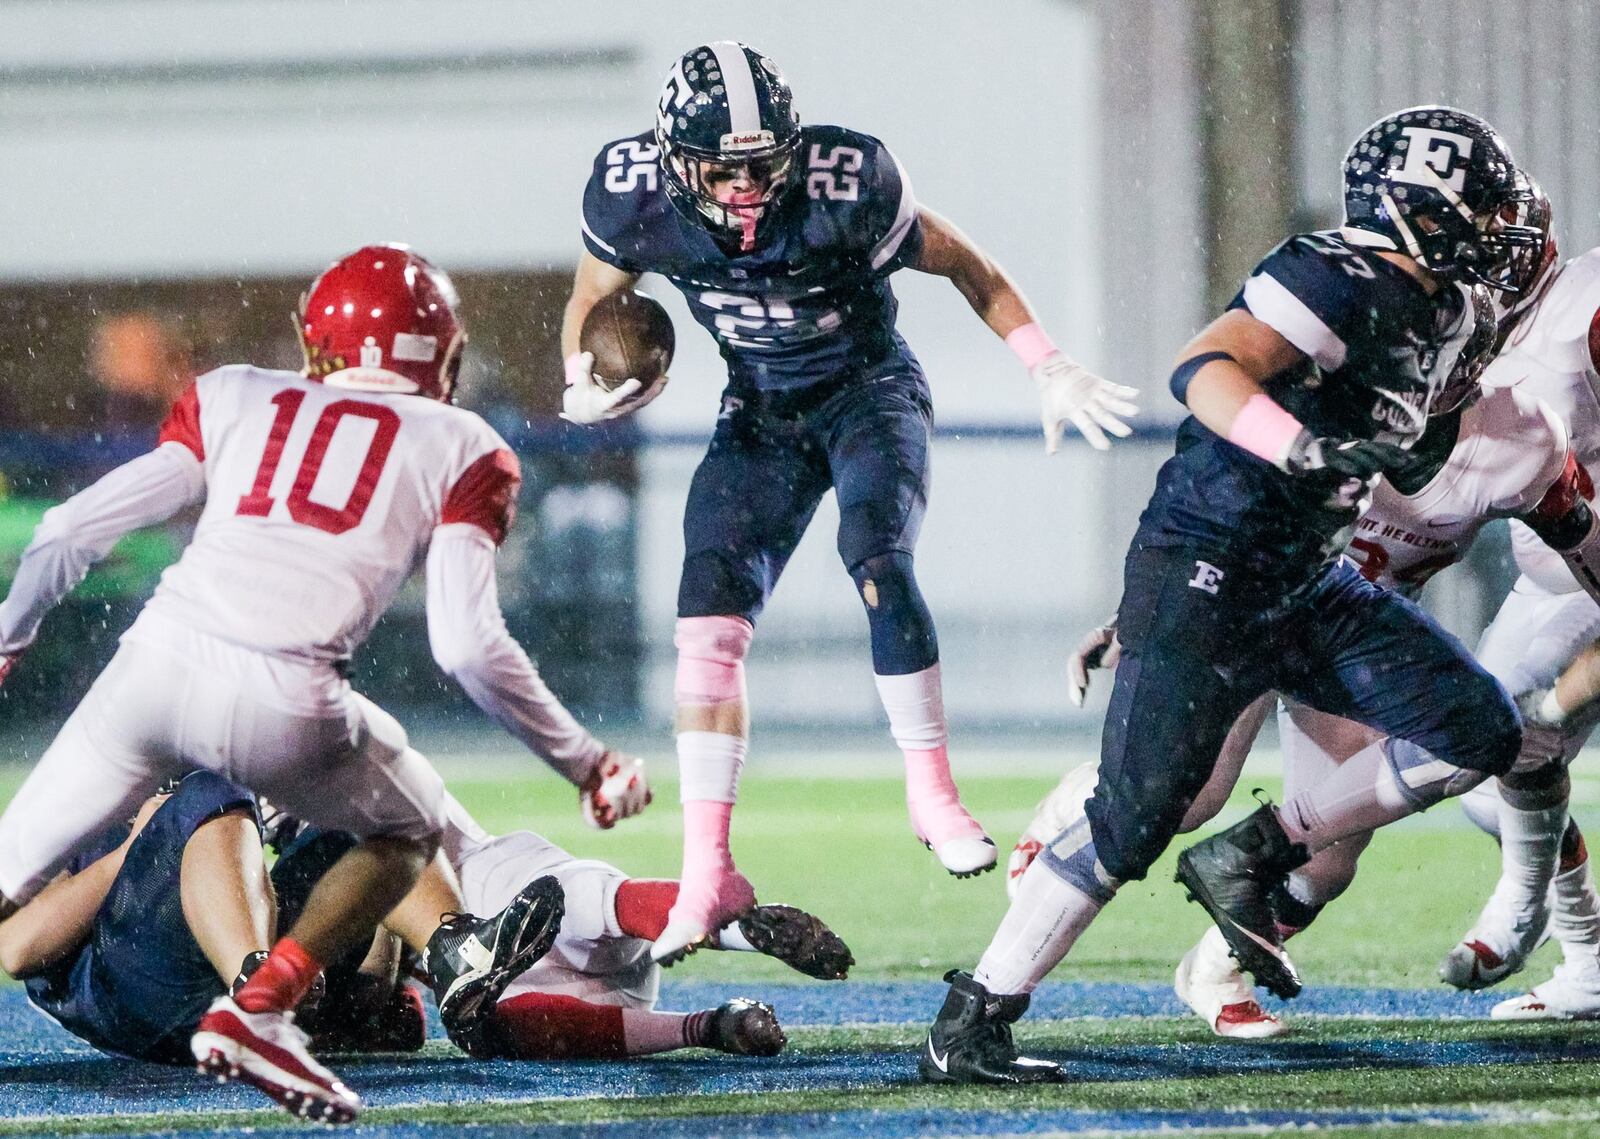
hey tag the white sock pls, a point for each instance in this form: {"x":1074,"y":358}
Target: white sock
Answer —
{"x":1363,"y":794}
{"x":914,"y":704}
{"x":1046,"y":917}
{"x":1482,"y":806}
{"x":1575,"y":915}
{"x":1530,"y":849}
{"x":708,"y":766}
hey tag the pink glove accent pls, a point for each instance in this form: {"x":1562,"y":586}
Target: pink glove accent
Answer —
{"x":1264,"y":428}
{"x":711,"y":653}
{"x":576,"y":369}
{"x":937,"y":815}
{"x":1031,"y":343}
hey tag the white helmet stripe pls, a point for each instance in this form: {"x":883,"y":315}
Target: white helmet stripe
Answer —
{"x":744,"y":112}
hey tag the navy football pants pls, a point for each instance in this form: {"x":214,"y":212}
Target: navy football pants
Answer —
{"x":1201,"y":640}
{"x":772,"y":459}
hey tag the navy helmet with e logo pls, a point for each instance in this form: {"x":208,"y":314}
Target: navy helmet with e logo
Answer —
{"x":1439,"y":185}
{"x":728,"y":136}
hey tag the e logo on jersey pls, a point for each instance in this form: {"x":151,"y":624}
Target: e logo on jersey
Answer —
{"x":1207,"y":578}
{"x":1434,"y":156}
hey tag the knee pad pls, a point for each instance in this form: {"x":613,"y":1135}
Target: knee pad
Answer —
{"x":711,"y":652}
{"x":903,"y":639}
{"x":1423,"y":779}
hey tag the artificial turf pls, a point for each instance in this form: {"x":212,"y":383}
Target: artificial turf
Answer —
{"x":840,"y":847}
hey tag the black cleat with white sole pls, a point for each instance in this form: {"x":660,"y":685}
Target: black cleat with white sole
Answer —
{"x":970,"y":1041}
{"x":470,"y":960}
{"x":1234,"y":875}
{"x":800,"y":940}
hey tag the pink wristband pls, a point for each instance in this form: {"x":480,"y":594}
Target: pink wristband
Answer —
{"x":1264,"y":428}
{"x":1031,"y":343}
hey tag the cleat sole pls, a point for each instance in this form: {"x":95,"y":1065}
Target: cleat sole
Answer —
{"x":1269,"y":971}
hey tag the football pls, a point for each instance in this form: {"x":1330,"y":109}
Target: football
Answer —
{"x":631,"y":337}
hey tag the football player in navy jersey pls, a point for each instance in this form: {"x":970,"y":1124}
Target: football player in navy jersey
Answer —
{"x":1321,"y":376}
{"x":782,"y":238}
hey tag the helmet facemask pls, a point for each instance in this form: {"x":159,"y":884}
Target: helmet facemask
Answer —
{"x":732,"y":191}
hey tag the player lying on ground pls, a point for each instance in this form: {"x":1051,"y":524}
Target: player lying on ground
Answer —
{"x":1321,"y":375}
{"x":782,"y":239}
{"x":322,"y":492}
{"x":148,"y":926}
{"x":153,"y":923}
{"x":593,"y":995}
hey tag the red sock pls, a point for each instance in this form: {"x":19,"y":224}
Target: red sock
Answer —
{"x":282,"y":981}
{"x":542,"y":1026}
{"x":642,"y":905}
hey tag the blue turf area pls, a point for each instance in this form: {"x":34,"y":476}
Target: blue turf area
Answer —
{"x":46,"y":1072}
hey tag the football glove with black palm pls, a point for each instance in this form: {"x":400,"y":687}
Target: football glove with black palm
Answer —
{"x":1352,"y":458}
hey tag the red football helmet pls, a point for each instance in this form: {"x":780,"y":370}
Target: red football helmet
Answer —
{"x":383,"y":319}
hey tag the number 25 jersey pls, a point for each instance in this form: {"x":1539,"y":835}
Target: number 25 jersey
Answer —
{"x":813,"y":299}
{"x":320,"y":502}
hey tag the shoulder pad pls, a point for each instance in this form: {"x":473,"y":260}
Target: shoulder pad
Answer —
{"x":858,"y":181}
{"x":624,"y":186}
{"x":1310,"y":289}
{"x":1522,"y":446}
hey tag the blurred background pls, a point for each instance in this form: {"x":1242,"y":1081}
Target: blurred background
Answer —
{"x":175,"y":171}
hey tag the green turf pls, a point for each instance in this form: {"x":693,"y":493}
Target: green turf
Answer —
{"x":841,"y":848}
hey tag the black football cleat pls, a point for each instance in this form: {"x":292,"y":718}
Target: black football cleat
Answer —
{"x":1234,"y":874}
{"x":798,"y":939}
{"x":470,"y":960}
{"x":742,"y":1027}
{"x":970,"y":1041}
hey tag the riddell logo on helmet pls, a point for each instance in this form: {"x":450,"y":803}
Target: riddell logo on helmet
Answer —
{"x":748,"y":140}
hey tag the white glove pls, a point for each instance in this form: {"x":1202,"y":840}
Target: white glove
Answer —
{"x":587,"y":402}
{"x":616,"y":789}
{"x":1070,"y":392}
{"x":1098,"y":649}
{"x":1541,"y":709}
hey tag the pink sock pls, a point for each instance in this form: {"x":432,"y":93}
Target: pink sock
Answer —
{"x":936,"y":811}
{"x":914,"y":704}
{"x":711,"y":892}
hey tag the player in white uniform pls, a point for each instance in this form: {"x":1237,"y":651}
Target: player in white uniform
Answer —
{"x":593,"y":996}
{"x":1543,"y":624}
{"x":323,"y":491}
{"x":1509,"y":457}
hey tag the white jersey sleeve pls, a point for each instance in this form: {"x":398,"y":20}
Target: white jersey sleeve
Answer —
{"x":468,"y":635}
{"x":81,"y":531}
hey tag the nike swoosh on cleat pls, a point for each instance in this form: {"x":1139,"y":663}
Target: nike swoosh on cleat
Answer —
{"x":940,"y":1062}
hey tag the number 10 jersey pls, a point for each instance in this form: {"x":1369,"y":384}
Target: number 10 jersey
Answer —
{"x":319,"y":502}
{"x":812,"y":301}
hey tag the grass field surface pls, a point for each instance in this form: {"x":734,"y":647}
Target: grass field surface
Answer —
{"x":1380,"y":1046}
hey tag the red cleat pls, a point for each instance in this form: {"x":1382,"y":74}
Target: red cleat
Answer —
{"x":266,"y":1050}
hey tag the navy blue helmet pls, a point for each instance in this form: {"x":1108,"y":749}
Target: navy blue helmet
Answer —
{"x":1439,"y":185}
{"x":728,"y":136}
